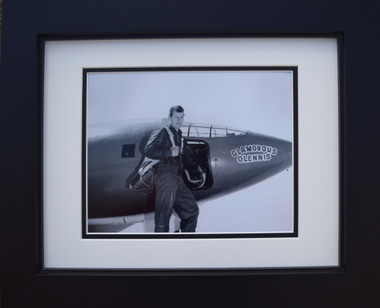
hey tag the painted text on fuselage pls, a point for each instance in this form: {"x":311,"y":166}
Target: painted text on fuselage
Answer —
{"x":253,"y":153}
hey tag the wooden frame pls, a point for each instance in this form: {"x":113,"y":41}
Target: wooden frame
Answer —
{"x":23,"y":280}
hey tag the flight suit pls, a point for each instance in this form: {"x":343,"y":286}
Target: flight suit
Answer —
{"x":171,"y":191}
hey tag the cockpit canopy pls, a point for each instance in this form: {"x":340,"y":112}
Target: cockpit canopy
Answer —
{"x":209,"y":131}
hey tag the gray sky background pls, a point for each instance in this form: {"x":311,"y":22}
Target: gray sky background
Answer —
{"x":259,"y":101}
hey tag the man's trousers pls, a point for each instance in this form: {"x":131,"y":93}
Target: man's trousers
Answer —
{"x":172,"y":193}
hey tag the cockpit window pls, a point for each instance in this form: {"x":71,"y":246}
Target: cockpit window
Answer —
{"x":198,"y":131}
{"x":209,"y":131}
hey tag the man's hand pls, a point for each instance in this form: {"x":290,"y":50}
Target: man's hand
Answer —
{"x":175,"y":151}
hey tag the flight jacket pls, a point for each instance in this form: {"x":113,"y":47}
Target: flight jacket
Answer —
{"x":159,"y":144}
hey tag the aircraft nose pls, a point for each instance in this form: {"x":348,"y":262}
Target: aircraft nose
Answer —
{"x":258,"y":148}
{"x":257,"y":157}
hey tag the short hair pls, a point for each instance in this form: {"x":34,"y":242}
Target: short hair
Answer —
{"x":177,"y":108}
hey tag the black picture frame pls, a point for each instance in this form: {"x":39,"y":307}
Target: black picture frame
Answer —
{"x":25,"y":283}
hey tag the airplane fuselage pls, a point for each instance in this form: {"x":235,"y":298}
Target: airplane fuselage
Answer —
{"x":232,"y":159}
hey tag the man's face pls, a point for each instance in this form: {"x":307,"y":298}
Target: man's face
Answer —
{"x":176,"y":120}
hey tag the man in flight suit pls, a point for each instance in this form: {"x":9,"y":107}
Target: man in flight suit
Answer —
{"x":171,"y":191}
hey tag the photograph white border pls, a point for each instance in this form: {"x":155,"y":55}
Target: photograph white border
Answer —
{"x":260,"y":100}
{"x":318,"y":155}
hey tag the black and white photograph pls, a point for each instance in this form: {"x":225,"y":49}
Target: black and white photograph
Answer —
{"x":190,"y":150}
